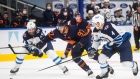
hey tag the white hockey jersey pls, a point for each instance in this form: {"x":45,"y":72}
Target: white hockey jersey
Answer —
{"x":114,"y":35}
{"x":108,"y":14}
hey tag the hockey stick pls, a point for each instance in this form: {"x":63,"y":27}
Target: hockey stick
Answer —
{"x":130,"y":8}
{"x":61,"y":62}
{"x":13,"y":47}
{"x":14,"y":51}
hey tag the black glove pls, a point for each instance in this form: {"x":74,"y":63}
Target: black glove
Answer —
{"x":77,"y":47}
{"x":37,"y":52}
{"x":91,"y":52}
{"x":40,"y":45}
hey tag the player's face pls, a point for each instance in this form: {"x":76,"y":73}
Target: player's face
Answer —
{"x":78,"y":18}
{"x":92,"y":0}
{"x":90,"y":15}
{"x":119,"y":13}
{"x":5,"y":16}
{"x":98,"y":25}
{"x":31,"y":31}
{"x":138,"y":9}
{"x":61,"y":29}
{"x":106,"y":3}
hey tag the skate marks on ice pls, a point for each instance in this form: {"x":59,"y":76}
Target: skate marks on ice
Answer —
{"x":30,"y":67}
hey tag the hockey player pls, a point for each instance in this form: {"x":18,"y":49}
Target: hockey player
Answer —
{"x":81,"y":24}
{"x":118,"y":41}
{"x":33,"y":36}
{"x":77,"y":38}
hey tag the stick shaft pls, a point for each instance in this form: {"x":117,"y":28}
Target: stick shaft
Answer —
{"x":14,"y":51}
{"x":61,"y":62}
{"x":12,"y":47}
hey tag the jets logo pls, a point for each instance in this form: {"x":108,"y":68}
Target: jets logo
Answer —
{"x":106,"y":27}
{"x":38,"y":31}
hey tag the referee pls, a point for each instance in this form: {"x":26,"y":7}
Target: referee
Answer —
{"x":136,"y":24}
{"x":135,"y":5}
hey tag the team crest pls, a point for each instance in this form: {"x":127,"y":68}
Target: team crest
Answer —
{"x":37,"y":31}
{"x":106,"y":27}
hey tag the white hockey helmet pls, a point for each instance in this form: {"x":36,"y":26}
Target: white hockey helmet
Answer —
{"x":98,"y":18}
{"x":97,"y":7}
{"x":31,"y":25}
{"x":106,"y":0}
{"x":90,"y":11}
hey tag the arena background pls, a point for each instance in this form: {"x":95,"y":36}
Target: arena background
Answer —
{"x":14,"y":36}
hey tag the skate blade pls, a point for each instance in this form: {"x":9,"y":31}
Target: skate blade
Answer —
{"x":66,"y":73}
{"x":112,"y":74}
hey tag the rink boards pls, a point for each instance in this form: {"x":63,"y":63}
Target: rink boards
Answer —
{"x":14,"y":37}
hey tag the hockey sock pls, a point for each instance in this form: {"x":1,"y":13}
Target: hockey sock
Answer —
{"x":20,"y":57}
{"x":104,"y":67}
{"x":83,"y":65}
{"x":129,"y":64}
{"x":103,"y":63}
{"x":67,"y":52}
{"x":19,"y":60}
{"x":56,"y":59}
{"x":133,"y":65}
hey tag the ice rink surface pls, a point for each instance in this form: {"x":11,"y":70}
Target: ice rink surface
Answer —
{"x":29,"y":69}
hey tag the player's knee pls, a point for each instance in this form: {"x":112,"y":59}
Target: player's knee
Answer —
{"x":51,"y":54}
{"x":127,"y":64}
{"x":77,"y":60}
{"x":102,"y":58}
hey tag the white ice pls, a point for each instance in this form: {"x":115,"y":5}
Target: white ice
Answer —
{"x":29,"y":69}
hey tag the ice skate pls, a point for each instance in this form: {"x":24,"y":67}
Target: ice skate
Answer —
{"x":111,"y":70}
{"x":90,"y":73}
{"x":14,"y":71}
{"x":65,"y":70}
{"x":135,"y":71}
{"x":136,"y":49}
{"x":103,"y":75}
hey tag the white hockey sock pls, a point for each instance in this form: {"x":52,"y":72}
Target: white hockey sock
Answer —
{"x":129,"y":64}
{"x":19,"y":60}
{"x":20,"y":57}
{"x":104,"y":67}
{"x":56,"y":59}
{"x":103,"y":63}
{"x":133,"y":65}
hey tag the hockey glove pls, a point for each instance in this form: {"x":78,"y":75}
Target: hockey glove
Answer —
{"x":91,"y":52}
{"x":37,"y":52}
{"x":77,"y":47}
{"x":106,"y":46}
{"x":40,"y":45}
{"x":28,"y":47}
